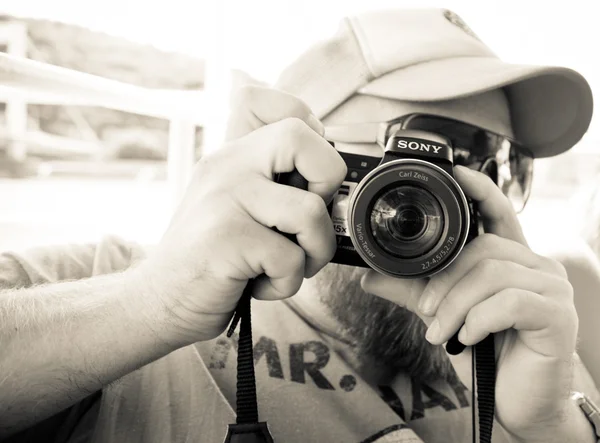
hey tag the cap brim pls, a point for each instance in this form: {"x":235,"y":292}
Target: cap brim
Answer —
{"x":551,"y":107}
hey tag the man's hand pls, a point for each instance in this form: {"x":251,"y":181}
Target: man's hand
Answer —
{"x":221,"y":235}
{"x":498,"y":285}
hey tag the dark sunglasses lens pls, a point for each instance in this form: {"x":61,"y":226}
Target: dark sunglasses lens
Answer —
{"x":490,"y":168}
{"x":513,"y":177}
{"x":521,"y":171}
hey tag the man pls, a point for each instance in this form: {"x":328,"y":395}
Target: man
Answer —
{"x":348,"y":358}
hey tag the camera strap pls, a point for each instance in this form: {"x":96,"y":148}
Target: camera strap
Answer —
{"x":247,"y":428}
{"x":483,"y":382}
{"x":484,"y":373}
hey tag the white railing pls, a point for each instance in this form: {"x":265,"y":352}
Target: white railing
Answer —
{"x":27,"y":81}
{"x":42,"y":83}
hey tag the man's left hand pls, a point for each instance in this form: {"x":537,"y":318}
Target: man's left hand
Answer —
{"x":499,"y":285}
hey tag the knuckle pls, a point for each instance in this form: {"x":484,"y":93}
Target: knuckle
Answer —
{"x":209,"y":166}
{"x":574,"y":317}
{"x":235,"y":229}
{"x":204,"y":166}
{"x":329,"y":246}
{"x":293,"y":127}
{"x":292,"y":287}
{"x":563,"y":316}
{"x":246,"y":94}
{"x":297,"y":109}
{"x":313,"y":207}
{"x":295,"y":258}
{"x":558,"y":267}
{"x":565,"y":287}
{"x":486,"y":242}
{"x":247,"y":190}
{"x":546,"y":263}
{"x":563,"y":312}
{"x":288,"y":133}
{"x":476,"y":319}
{"x":449,"y":306}
{"x":513,"y":301}
{"x":488,"y":267}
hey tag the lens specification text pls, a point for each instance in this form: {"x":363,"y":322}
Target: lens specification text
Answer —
{"x":414,"y":175}
{"x":437,"y":258}
{"x":361,"y":240}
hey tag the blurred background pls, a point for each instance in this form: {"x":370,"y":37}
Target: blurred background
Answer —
{"x":75,"y":166}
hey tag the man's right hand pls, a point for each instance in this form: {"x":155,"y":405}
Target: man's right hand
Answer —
{"x":221,"y":235}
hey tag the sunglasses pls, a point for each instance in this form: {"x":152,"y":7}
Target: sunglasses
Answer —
{"x":504,"y":160}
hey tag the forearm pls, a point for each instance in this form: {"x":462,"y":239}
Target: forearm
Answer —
{"x":61,"y":342}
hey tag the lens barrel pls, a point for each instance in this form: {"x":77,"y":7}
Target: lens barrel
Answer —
{"x":408,"y":218}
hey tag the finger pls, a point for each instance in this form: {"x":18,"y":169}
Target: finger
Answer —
{"x":403,"y":292}
{"x":486,"y":246}
{"x":256,"y":106}
{"x":293,"y":211}
{"x":255,"y":250}
{"x":545,"y":326}
{"x":290,"y":144}
{"x":486,"y":279}
{"x":280,"y":260}
{"x":498,"y":214}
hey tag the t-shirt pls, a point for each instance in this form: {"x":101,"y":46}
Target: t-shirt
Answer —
{"x":306,"y":391}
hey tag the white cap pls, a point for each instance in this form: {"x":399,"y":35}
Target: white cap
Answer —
{"x":427,"y":55}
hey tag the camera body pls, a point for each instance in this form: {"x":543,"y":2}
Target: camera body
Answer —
{"x":403,"y":214}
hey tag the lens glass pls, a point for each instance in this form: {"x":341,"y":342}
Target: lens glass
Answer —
{"x":407,"y":221}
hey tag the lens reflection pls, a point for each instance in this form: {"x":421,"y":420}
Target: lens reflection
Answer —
{"x":407,"y":221}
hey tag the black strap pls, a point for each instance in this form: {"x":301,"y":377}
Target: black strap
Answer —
{"x":247,"y":428}
{"x":484,"y":357}
{"x":483,"y":377}
{"x":246,"y":405}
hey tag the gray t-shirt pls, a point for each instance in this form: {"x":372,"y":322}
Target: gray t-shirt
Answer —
{"x":306,"y":391}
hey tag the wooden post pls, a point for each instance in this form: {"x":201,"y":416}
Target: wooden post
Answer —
{"x":217,"y":76}
{"x":13,"y":35}
{"x":180,"y":158}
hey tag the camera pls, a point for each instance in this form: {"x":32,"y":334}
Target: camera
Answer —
{"x":403,"y":214}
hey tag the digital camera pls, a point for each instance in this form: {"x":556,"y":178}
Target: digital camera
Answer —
{"x":403,"y":214}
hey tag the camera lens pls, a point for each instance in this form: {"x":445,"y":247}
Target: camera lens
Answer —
{"x":408,"y":218}
{"x":406,"y":221}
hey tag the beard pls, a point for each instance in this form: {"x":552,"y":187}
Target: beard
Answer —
{"x":386,"y":338}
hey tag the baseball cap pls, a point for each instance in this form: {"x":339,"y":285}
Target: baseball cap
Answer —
{"x":429,"y":55}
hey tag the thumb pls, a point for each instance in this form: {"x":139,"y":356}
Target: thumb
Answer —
{"x":257,"y":106}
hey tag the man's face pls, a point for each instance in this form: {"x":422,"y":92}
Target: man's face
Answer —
{"x":388,"y":338}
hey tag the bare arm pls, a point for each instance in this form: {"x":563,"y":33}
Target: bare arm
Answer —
{"x":583,"y":269}
{"x":584,"y":274}
{"x":61,"y":342}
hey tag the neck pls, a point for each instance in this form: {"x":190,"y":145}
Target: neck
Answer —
{"x":308,"y":303}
